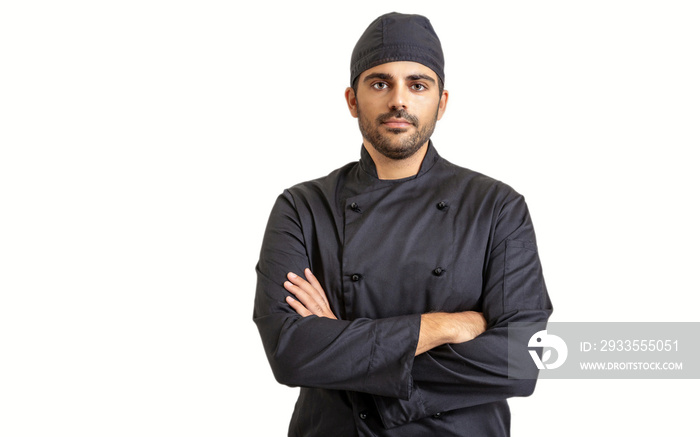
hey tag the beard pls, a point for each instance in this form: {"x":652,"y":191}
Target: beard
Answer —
{"x":391,"y":145}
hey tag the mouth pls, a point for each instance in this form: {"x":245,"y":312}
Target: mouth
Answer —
{"x":397,"y":123}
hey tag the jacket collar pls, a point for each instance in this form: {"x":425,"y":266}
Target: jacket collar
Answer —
{"x":368,"y":166}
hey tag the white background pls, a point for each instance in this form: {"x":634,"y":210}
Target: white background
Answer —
{"x":144,"y":143}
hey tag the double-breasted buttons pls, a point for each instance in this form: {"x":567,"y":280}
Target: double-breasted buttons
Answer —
{"x":442,"y":206}
{"x":355,"y":277}
{"x":355,"y":207}
{"x":363,"y":415}
{"x":437,"y":415}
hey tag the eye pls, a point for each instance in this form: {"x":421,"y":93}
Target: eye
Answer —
{"x":379,"y":85}
{"x":418,"y":87}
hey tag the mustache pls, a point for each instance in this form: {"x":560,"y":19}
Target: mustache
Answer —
{"x":400,"y":113}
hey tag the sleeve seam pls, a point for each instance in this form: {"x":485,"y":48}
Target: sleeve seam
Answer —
{"x":370,"y":364}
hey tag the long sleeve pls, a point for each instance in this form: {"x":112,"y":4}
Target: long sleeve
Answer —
{"x":457,"y":376}
{"x":371,"y":356}
{"x":386,"y":251}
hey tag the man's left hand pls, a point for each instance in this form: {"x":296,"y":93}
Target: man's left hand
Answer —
{"x":310,"y":297}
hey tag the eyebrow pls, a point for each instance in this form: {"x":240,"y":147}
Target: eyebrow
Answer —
{"x":385,"y":76}
{"x":421,"y":77}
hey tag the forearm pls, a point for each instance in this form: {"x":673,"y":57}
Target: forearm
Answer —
{"x":448,"y":328}
{"x":371,"y":356}
{"x":462,"y":375}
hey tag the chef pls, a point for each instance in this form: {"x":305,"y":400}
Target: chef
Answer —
{"x":385,"y":288}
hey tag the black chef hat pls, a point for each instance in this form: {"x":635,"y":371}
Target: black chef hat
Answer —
{"x":398,"y":37}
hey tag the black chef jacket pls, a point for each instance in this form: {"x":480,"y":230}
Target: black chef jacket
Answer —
{"x":386,"y":251}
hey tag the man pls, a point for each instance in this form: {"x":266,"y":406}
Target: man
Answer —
{"x":385,"y":288}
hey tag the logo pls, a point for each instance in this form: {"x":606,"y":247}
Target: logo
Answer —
{"x":547,"y":342}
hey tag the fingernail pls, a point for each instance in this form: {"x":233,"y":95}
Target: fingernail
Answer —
{"x":292,"y":275}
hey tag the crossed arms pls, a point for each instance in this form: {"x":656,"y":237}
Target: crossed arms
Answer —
{"x":414,"y":365}
{"x":435,"y":328}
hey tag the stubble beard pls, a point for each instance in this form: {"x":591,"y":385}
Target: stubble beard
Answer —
{"x":388,"y":144}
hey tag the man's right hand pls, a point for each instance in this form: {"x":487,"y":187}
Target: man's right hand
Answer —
{"x":449,"y":328}
{"x":310,"y":297}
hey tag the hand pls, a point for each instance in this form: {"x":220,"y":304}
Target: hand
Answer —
{"x":310,"y":297}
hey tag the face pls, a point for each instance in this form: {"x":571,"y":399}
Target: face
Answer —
{"x":397,"y":105}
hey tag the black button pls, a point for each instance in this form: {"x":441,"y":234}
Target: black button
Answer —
{"x":437,"y":415}
{"x":363,"y":415}
{"x":438,"y":271}
{"x":355,"y":207}
{"x":355,"y":277}
{"x":442,"y":206}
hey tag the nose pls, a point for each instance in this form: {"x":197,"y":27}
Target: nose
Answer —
{"x":398,"y":98}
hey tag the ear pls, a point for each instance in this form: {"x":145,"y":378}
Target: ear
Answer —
{"x":351,"y":99}
{"x":443,"y":103}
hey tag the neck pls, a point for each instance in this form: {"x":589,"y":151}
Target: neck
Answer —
{"x":389,"y":169}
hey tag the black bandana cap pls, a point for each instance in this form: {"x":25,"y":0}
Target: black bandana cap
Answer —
{"x":398,"y":37}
